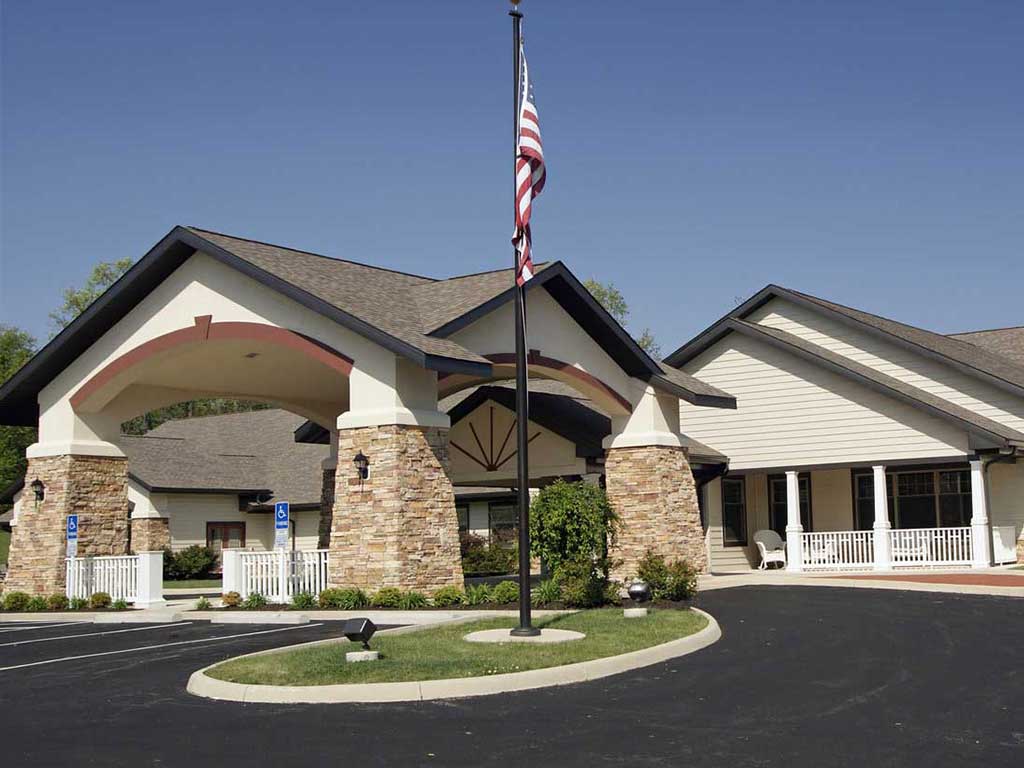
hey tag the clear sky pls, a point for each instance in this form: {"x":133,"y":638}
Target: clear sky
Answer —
{"x":871,"y":152}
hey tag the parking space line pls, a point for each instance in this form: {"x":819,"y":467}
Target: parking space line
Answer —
{"x":46,"y":626}
{"x":155,"y":647}
{"x":92,"y":634}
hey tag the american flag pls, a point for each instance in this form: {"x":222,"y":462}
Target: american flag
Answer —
{"x":529,"y":171}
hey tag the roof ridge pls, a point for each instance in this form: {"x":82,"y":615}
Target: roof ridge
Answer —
{"x":987,"y":330}
{"x":200,"y":230}
{"x":537,"y":266}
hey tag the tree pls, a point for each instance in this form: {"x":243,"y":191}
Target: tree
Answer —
{"x":16,"y":347}
{"x":611,"y":298}
{"x":569,"y":521}
{"x":103,"y":275}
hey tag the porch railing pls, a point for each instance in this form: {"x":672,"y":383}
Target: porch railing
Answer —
{"x":278,"y":575}
{"x":837,"y":550}
{"x":117,"y":575}
{"x":930,"y":547}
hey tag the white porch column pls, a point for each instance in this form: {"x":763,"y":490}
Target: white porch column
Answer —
{"x":794,"y":540}
{"x":882,"y":526}
{"x":981,"y":533}
{"x":231,"y":563}
{"x":149,"y":592}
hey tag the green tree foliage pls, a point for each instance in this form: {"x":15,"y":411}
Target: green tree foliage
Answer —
{"x":611,"y":298}
{"x":569,"y":521}
{"x":16,"y":347}
{"x":76,"y":300}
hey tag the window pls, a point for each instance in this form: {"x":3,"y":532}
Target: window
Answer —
{"x":916,"y":498}
{"x":462,"y":512}
{"x":502,"y":523}
{"x":955,"y":498}
{"x":221,"y":536}
{"x":778,"y":514}
{"x":734,"y":512}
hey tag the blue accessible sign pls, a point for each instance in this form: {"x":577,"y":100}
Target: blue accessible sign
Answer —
{"x":72,"y":535}
{"x":281,"y":522}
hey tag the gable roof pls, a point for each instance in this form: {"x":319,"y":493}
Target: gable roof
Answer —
{"x":962,"y":355}
{"x":410,"y":315}
{"x":1008,"y":343}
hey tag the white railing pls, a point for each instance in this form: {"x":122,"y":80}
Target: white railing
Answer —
{"x":117,"y":575}
{"x":837,"y":550}
{"x":281,"y":574}
{"x":930,"y":547}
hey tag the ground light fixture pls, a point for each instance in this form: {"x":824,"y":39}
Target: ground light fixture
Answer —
{"x":362,"y":465}
{"x":38,"y":489}
{"x":639,"y":592}
{"x":360,"y":631}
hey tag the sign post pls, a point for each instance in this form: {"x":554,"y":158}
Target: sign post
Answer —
{"x":281,"y":524}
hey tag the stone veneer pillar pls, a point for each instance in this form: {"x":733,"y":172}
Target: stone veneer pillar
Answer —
{"x":150,"y":534}
{"x":398,"y":527}
{"x":93,"y":487}
{"x":652,"y":490}
{"x":326,"y":508}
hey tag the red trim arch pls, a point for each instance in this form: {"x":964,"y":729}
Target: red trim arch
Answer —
{"x":207,"y":330}
{"x":537,"y":360}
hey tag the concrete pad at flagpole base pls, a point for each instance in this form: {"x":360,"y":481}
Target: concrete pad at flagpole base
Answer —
{"x":200,"y":684}
{"x":504,"y":636}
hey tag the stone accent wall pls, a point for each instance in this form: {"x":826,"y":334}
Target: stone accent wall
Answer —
{"x":397,"y":528}
{"x":326,"y":509}
{"x":1020,"y":549}
{"x":93,"y":487}
{"x":652,"y":490}
{"x":151,"y":534}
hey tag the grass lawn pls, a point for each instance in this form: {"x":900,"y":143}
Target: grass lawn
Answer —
{"x":439,"y":653}
{"x":5,"y":545}
{"x":193,"y":584}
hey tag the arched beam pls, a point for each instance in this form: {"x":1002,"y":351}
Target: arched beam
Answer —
{"x":205,"y":330}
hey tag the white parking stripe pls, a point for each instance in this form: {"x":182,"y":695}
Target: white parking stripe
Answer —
{"x":46,"y":626}
{"x":154,"y":647}
{"x":92,"y":634}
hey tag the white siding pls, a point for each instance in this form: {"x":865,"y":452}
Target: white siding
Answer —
{"x":791,"y":413}
{"x":721,"y":557}
{"x":1006,"y":496}
{"x":832,"y":500}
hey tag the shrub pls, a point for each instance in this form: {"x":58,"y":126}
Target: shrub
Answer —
{"x":231,"y":599}
{"x":16,"y":601}
{"x":254,"y":602}
{"x":479,"y":559}
{"x":478,"y":594}
{"x":547,"y":592}
{"x":505,"y":592}
{"x":78,"y":604}
{"x":570,"y":521}
{"x":413,"y":601}
{"x":388,"y":597}
{"x":446,"y":597}
{"x":668,"y":581}
{"x":349,"y":599}
{"x":57,"y":602}
{"x":303,"y":600}
{"x":202,"y":604}
{"x":37,"y":603}
{"x":99,"y":600}
{"x":193,"y":562}
{"x":582,"y":581}
{"x":120,"y":604}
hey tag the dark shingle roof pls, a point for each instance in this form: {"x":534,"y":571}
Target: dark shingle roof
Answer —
{"x":1005,"y":342}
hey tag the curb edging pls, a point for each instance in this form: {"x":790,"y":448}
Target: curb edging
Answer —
{"x":200,"y":684}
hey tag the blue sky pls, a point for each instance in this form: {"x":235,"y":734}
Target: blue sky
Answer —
{"x":869,"y":152}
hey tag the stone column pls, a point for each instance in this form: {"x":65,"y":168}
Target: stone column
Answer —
{"x":93,"y":487}
{"x":981,"y":534}
{"x":150,"y":534}
{"x":794,"y":528}
{"x":397,"y":527}
{"x":882,"y":527}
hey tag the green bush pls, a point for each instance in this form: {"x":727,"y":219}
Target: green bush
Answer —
{"x":388,"y":597}
{"x":78,"y":604}
{"x":254,"y":602}
{"x":478,"y":594}
{"x":120,"y":604}
{"x":413,"y":601}
{"x":99,"y":600}
{"x":505,"y":592}
{"x":16,"y":601}
{"x":202,"y":604}
{"x":349,"y":599}
{"x":303,"y":600}
{"x":37,"y":603}
{"x":57,"y":602}
{"x":193,"y":562}
{"x":483,"y":560}
{"x":231,"y":599}
{"x":570,"y":521}
{"x":582,"y":581}
{"x":668,"y":581}
{"x":547,"y":592}
{"x":447,"y":597}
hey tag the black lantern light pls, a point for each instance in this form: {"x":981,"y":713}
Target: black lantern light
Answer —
{"x":359,"y":631}
{"x":639,"y":591}
{"x":362,"y":465}
{"x":38,"y":489}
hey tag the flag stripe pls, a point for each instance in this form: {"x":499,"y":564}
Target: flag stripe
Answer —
{"x":530,"y":171}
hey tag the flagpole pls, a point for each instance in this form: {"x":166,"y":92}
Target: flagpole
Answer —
{"x":525,"y":628}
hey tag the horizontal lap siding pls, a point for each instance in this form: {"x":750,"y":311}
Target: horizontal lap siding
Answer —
{"x":721,"y":557}
{"x":1006,"y":493}
{"x":792,"y":413}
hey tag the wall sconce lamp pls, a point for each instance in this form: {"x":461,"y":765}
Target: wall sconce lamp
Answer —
{"x":362,"y":465}
{"x":38,"y":489}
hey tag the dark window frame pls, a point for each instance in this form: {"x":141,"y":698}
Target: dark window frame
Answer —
{"x":809,"y":525}
{"x":742,"y":480}
{"x":222,"y":523}
{"x":893,"y":495}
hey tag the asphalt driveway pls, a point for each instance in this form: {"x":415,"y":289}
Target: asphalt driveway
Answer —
{"x":803,"y":676}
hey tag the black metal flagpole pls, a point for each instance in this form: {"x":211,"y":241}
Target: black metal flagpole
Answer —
{"x":525,"y":628}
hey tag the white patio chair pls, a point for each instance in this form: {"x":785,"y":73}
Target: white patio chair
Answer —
{"x":770,"y":547}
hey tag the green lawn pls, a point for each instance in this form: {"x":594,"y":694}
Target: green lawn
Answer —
{"x":193,"y":584}
{"x":5,"y":545}
{"x":442,"y":653}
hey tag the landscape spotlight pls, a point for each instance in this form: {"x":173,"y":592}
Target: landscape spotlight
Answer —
{"x":359,"y":631}
{"x":363,"y":465}
{"x":37,"y":489}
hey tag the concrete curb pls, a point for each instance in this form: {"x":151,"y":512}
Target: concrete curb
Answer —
{"x":137,"y":617}
{"x":729,"y":581}
{"x":200,"y":684}
{"x":260,"y":617}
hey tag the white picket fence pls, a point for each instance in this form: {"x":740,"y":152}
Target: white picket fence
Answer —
{"x":838,"y":550}
{"x":117,"y":575}
{"x":277,"y":575}
{"x":930,"y":547}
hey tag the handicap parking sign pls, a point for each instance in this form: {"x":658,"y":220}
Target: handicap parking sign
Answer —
{"x":72,"y":535}
{"x":281,"y":510}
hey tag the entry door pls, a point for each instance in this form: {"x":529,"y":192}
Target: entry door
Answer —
{"x":220,"y":536}
{"x":777,"y":514}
